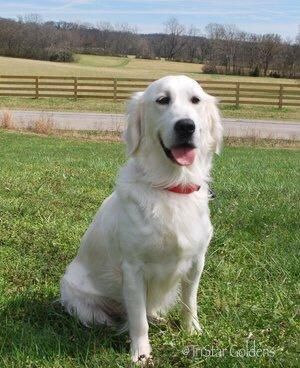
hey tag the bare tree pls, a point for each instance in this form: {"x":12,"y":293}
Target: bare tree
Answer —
{"x":144,"y":49}
{"x":174,"y":43}
{"x":287,"y":62}
{"x":225,"y":40}
{"x":215,"y":32}
{"x":269,"y":47}
{"x":192,"y":44}
{"x":251,"y":51}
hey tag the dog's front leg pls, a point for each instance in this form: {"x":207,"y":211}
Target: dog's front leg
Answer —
{"x":189,"y":288}
{"x":135,"y":301}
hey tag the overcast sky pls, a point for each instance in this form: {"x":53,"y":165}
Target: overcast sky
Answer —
{"x":265,"y":16}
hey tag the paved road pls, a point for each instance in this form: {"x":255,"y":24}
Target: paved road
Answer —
{"x":115,"y":122}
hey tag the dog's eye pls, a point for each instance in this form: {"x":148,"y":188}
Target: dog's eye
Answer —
{"x":163,"y":100}
{"x":195,"y":100}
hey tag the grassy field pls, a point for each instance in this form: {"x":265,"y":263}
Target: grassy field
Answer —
{"x":50,"y":188}
{"x":108,"y":66}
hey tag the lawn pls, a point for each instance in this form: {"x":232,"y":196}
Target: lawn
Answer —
{"x":50,"y":188}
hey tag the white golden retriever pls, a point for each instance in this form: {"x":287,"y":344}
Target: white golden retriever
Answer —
{"x":151,"y":235}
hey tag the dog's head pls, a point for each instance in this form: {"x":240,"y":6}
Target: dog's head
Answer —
{"x":176,"y":119}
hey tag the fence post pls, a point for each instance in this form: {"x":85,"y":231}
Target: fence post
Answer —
{"x":280,"y":96}
{"x":237,"y":95}
{"x":115,"y":89}
{"x":36,"y":87}
{"x":75,"y":88}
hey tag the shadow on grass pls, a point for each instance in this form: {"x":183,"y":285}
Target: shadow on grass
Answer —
{"x":41,"y":329}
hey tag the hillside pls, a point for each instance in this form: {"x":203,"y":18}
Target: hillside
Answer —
{"x":106,"y":66}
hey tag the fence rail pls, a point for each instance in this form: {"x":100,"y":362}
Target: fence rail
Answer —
{"x":116,"y":89}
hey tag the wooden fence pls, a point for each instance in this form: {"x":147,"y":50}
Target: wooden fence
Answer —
{"x":229,"y":92}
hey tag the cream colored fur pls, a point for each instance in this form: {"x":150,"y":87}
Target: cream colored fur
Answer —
{"x":146,"y":246}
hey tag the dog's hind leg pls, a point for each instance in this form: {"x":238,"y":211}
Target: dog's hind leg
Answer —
{"x":91,"y":309}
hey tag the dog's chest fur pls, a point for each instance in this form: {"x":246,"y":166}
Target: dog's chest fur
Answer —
{"x":165,"y":232}
{"x":167,"y":226}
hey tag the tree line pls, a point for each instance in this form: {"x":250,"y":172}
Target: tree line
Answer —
{"x":223,"y":49}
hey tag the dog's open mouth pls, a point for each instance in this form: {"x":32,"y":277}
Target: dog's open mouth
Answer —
{"x":183,"y":154}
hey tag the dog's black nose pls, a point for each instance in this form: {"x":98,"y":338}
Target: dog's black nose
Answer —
{"x":185,"y":127}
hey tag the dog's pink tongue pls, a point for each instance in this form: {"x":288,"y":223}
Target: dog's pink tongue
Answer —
{"x":184,"y":156}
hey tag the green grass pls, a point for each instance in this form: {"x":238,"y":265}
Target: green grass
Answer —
{"x":50,"y":188}
{"x":106,"y":106}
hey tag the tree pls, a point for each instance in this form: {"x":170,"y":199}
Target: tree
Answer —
{"x":174,"y":42}
{"x":225,"y":40}
{"x":269,"y":47}
{"x":192,"y":44}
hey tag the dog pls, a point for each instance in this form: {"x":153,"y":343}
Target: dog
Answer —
{"x":146,"y":245}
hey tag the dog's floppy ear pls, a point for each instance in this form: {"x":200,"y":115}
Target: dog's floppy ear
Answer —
{"x":215,"y":124}
{"x":133,"y":130}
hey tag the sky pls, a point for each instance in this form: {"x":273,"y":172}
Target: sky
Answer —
{"x":265,"y":16}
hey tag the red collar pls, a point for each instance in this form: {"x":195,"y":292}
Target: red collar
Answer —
{"x":186,"y":189}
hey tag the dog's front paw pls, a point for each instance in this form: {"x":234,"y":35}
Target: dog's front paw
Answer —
{"x":140,"y":351}
{"x":156,"y":319}
{"x":145,"y":362}
{"x":193,"y":327}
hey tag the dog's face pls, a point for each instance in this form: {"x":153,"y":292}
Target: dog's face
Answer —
{"x":175,"y":114}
